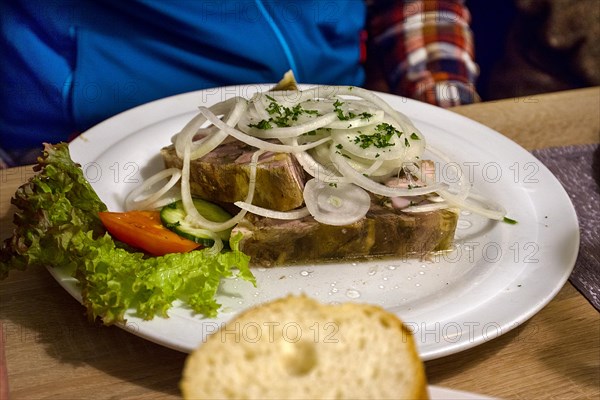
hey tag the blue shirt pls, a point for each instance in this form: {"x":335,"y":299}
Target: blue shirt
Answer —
{"x":68,"y":65}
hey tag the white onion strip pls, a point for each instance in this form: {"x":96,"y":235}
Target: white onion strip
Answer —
{"x":195,"y":124}
{"x":315,"y":168}
{"x":426,"y":207}
{"x":318,"y":170}
{"x":374,"y":167}
{"x":212,"y":141}
{"x":265,"y":212}
{"x":258,"y":143}
{"x":402,"y":120}
{"x":338,"y":205}
{"x":487,"y":207}
{"x":187,"y":133}
{"x":194,"y":217}
{"x":462,"y":185}
{"x":377,"y":188}
{"x":462,"y":199}
{"x":291,"y":131}
{"x":294,"y":97}
{"x":149,"y":201}
{"x":188,"y":203}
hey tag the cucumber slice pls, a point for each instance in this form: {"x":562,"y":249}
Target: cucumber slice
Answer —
{"x":173,"y":217}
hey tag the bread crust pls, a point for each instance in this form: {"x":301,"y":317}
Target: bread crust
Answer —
{"x":369,"y":353}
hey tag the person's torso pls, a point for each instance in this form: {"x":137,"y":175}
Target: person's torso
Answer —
{"x":82,"y":62}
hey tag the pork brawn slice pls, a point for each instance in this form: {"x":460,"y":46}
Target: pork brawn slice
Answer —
{"x":223,"y":176}
{"x":384,"y":232}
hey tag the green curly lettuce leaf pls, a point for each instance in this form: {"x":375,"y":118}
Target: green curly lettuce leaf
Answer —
{"x":57,"y":225}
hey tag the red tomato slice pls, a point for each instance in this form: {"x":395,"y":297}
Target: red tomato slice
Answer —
{"x":144,"y":230}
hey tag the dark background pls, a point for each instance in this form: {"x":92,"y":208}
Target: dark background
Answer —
{"x":526,"y":47}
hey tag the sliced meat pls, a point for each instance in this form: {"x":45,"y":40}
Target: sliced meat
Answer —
{"x":384,"y":232}
{"x":223,"y":176}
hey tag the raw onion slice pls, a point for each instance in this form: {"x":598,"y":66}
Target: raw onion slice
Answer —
{"x":475,"y":203}
{"x":318,"y":170}
{"x":214,"y":139}
{"x":367,"y":169}
{"x":258,"y":107}
{"x":341,"y":204}
{"x":261,"y":102}
{"x":371,"y":97}
{"x":350,"y":141}
{"x":186,"y":134}
{"x":375,"y":187}
{"x":258,"y":143}
{"x":193,"y":127}
{"x":377,"y":170}
{"x":290,"y":98}
{"x":311,"y":124}
{"x":265,"y":212}
{"x":375,"y":117}
{"x":426,"y":207}
{"x":315,"y":168}
{"x":194,"y":217}
{"x":373,"y":167}
{"x":462,"y":187}
{"x":150,"y":201}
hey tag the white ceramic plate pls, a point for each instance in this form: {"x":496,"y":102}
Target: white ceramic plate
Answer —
{"x":497,"y":277}
{"x":440,"y":393}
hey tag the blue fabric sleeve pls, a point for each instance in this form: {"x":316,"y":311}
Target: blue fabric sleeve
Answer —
{"x":68,"y":65}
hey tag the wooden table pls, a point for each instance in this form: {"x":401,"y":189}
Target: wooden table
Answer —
{"x":52,"y":351}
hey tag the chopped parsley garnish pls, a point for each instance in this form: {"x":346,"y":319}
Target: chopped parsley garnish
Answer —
{"x":509,"y":221}
{"x":263,"y":124}
{"x":414,"y":136}
{"x":337,"y":108}
{"x":282,"y":116}
{"x":340,"y":113}
{"x":381,"y":138}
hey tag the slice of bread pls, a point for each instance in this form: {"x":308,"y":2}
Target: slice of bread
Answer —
{"x":297,"y":348}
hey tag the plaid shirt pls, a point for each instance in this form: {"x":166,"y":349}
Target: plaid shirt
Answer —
{"x":424,"y":49}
